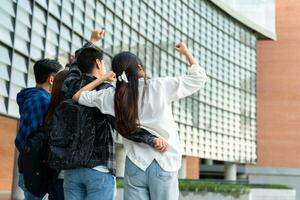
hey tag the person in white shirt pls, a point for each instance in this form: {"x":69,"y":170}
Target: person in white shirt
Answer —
{"x":139,"y":103}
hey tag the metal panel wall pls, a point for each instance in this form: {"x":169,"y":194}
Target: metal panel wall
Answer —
{"x":217,"y":123}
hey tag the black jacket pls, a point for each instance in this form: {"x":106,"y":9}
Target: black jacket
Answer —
{"x":99,"y":146}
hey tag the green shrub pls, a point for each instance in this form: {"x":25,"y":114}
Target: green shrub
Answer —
{"x":218,"y":187}
{"x":197,"y":186}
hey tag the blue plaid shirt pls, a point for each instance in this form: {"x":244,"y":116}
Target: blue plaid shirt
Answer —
{"x":33,"y":105}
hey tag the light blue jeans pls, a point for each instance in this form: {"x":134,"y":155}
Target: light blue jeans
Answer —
{"x":27,"y":195}
{"x":154,"y":183}
{"x":89,"y":184}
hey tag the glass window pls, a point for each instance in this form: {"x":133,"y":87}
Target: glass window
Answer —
{"x":22,"y":31}
{"x":38,"y":28}
{"x":3,"y":88}
{"x":5,"y":55}
{"x":67,"y":6}
{"x":39,"y":14}
{"x":55,"y":7}
{"x":66,"y":33}
{"x":13,"y":108}
{"x":53,"y":24}
{"x":4,"y":72}
{"x":26,"y":5}
{"x":36,"y":53}
{"x":42,"y":3}
{"x":19,"y":62}
{"x":5,"y":36}
{"x":17,"y":77}
{"x":3,"y":105}
{"x":51,"y":50}
{"x":67,"y":18}
{"x":78,"y":14}
{"x":23,"y":16}
{"x":38,"y":41}
{"x":52,"y":37}
{"x":6,"y":20}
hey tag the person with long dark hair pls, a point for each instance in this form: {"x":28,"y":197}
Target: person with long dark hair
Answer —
{"x":56,"y":95}
{"x":139,"y":103}
{"x":90,"y":163}
{"x":56,"y":191}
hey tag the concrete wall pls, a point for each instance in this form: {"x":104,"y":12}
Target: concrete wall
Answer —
{"x":270,"y":194}
{"x":281,"y":176}
{"x":278,"y":91}
{"x":258,"y":11}
{"x":286,"y":180}
{"x":255,"y":194}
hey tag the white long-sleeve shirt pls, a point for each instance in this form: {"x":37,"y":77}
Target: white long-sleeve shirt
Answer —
{"x":155,"y":115}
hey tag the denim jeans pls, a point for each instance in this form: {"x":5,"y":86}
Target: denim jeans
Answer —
{"x":89,"y":184}
{"x":28,"y":195}
{"x":154,"y":183}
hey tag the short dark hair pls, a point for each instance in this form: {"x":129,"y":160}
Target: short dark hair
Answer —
{"x":87,"y":59}
{"x":44,"y":68}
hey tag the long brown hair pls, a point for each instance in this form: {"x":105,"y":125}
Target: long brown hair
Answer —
{"x":127,"y":94}
{"x":57,"y":95}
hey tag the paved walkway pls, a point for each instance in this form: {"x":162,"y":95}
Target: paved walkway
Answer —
{"x":4,"y":196}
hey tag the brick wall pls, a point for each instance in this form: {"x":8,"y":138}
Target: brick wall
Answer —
{"x":278,"y":91}
{"x":8,"y":128}
{"x":192,"y":167}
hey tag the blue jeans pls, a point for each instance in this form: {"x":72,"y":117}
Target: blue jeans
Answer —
{"x":28,"y":195}
{"x":89,"y":184}
{"x":154,"y":183}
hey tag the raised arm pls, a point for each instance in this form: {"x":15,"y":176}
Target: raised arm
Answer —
{"x":175,"y":88}
{"x":73,"y":81}
{"x":183,"y":50}
{"x":95,"y":37}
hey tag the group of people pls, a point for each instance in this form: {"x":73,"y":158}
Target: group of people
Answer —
{"x":138,"y":108}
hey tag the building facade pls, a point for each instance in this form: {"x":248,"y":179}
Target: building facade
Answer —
{"x":217,"y":123}
{"x":278,"y":102}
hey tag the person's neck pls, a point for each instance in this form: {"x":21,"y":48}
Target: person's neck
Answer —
{"x":44,"y":86}
{"x":97,"y":75}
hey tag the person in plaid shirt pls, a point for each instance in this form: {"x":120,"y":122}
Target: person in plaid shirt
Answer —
{"x":33,"y":105}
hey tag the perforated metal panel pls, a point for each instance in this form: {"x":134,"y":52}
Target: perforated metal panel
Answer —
{"x":217,"y":123}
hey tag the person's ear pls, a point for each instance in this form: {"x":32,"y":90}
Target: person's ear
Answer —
{"x":99,"y":63}
{"x":50,"y":79}
{"x":140,"y":68}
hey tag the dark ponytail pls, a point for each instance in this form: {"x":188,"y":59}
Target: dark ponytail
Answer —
{"x":127,"y":94}
{"x":57,"y":95}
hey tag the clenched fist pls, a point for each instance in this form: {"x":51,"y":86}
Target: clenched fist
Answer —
{"x":96,"y":36}
{"x":181,"y":48}
{"x":110,"y":76}
{"x":160,"y":145}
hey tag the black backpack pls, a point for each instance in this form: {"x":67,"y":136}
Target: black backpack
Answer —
{"x":73,"y":135}
{"x":33,"y":163}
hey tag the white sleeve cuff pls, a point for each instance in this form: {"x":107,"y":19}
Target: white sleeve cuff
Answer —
{"x":194,"y":68}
